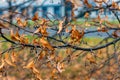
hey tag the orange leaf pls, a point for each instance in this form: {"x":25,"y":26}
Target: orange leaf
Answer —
{"x":13,"y":57}
{"x":43,"y":21}
{"x":104,"y":29}
{"x":75,"y":34}
{"x":3,"y":26}
{"x":87,"y":4}
{"x":23,"y":40}
{"x":98,"y":1}
{"x":98,"y":29}
{"x":60,"y":26}
{"x":86,"y":15}
{"x":13,"y":37}
{"x":44,"y":31}
{"x":35,"y":42}
{"x":35,"y":17}
{"x":116,"y":33}
{"x":38,"y":30}
{"x":41,"y":55}
{"x":7,"y":60}
{"x":2,"y":65}
{"x":60,"y":67}
{"x":91,"y":58}
{"x":25,"y":23}
{"x":114,"y":5}
{"x":45,"y":44}
{"x":17,"y":34}
{"x":35,"y":71}
{"x":19,"y":22}
{"x":30,"y":65}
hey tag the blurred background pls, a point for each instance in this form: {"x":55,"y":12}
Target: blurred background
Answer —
{"x":52,"y":7}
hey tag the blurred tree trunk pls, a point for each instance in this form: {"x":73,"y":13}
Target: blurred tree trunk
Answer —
{"x":10,"y":10}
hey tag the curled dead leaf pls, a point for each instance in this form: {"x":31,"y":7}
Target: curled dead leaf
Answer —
{"x":42,"y":30}
{"x":87,"y":4}
{"x":46,"y":44}
{"x":75,"y":34}
{"x":98,"y":29}
{"x":13,"y":57}
{"x":38,"y":30}
{"x":91,"y":59}
{"x":116,"y":33}
{"x":35,"y":17}
{"x":21,"y":23}
{"x":13,"y":36}
{"x":30,"y":65}
{"x":60,"y":67}
{"x":114,"y":4}
{"x":60,"y":26}
{"x":2,"y":65}
{"x":35,"y":71}
{"x":86,"y":15}
{"x":103,"y":28}
{"x":3,"y":26}
{"x":8,"y":61}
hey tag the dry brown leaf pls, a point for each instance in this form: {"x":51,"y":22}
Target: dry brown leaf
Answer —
{"x":21,"y":23}
{"x":86,"y":15}
{"x":53,"y":73}
{"x":103,"y":28}
{"x":41,"y":55}
{"x":75,"y":34}
{"x":25,"y":23}
{"x":39,"y":76}
{"x":7,"y":60}
{"x":38,"y":30}
{"x":30,"y":65}
{"x":13,"y":37}
{"x":2,"y":65}
{"x":3,"y":26}
{"x":87,"y":4}
{"x":48,"y":64}
{"x":23,"y":39}
{"x":91,"y":58}
{"x":44,"y":31}
{"x":35,"y":71}
{"x":46,"y":44}
{"x":60,"y":67}
{"x":35,"y":42}
{"x":110,"y":24}
{"x":66,"y":30}
{"x":17,"y":34}
{"x":43,"y":21}
{"x":35,"y":17}
{"x":52,"y":55}
{"x":98,"y":1}
{"x":60,"y":26}
{"x":13,"y":57}
{"x":114,"y":4}
{"x":116,"y":33}
{"x":98,"y":18}
{"x":99,"y":29}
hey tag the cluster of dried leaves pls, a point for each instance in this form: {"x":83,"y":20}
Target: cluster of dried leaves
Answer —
{"x":51,"y":55}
